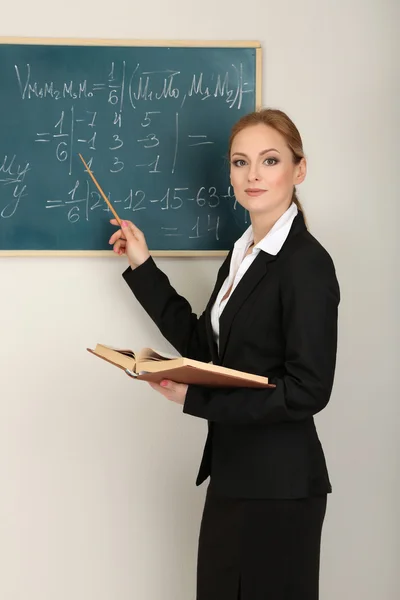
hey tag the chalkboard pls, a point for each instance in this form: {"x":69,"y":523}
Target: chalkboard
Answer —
{"x":151,"y":120}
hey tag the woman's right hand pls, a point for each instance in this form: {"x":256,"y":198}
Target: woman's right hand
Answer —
{"x":130,"y":240}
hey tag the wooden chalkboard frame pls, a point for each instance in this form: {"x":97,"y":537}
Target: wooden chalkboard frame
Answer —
{"x":142,"y":43}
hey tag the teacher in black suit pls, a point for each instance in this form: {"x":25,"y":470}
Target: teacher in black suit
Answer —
{"x":273,"y":312}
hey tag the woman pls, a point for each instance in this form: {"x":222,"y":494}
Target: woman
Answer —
{"x":273,"y":312}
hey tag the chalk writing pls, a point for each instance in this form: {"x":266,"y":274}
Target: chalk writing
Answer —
{"x":153,"y":124}
{"x":143,"y":86}
{"x":12,"y":177}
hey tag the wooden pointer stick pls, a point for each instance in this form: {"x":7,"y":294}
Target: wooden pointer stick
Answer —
{"x":101,"y":192}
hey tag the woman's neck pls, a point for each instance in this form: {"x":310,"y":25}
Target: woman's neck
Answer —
{"x":263,"y":223}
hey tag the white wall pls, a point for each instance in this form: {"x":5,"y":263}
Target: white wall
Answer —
{"x":97,"y":495}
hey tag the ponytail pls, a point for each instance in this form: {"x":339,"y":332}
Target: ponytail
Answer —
{"x":298,"y":204}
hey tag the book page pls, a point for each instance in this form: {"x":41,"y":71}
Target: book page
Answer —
{"x":129,"y":353}
{"x":124,"y":359}
{"x":124,"y":351}
{"x":148,"y":354}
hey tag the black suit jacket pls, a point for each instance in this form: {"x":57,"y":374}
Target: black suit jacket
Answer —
{"x":280,"y":322}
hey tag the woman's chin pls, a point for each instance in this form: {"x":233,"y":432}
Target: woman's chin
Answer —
{"x":258,"y":205}
{"x":262,"y":205}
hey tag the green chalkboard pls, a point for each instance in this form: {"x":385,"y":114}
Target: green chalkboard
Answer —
{"x":151,"y":121}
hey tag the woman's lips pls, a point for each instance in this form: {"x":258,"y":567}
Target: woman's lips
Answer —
{"x":254,"y":192}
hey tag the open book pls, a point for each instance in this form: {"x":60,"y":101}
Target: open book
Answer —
{"x":149,"y":365}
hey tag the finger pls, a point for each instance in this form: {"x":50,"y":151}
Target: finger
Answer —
{"x":135,"y":230}
{"x":115,"y":236}
{"x":167,"y":384}
{"x":128,"y":231}
{"x":155,"y":386}
{"x":121,"y":243}
{"x":119,"y":246}
{"x":158,"y":388}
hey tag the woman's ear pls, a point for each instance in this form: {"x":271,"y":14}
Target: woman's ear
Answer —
{"x":301,"y":171}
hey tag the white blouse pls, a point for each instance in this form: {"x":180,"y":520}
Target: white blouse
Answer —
{"x":271,"y":244}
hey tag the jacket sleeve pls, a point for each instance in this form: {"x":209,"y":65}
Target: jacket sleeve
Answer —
{"x":310,"y":298}
{"x":170,"y":312}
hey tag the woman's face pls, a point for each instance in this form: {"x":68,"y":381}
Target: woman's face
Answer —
{"x":262,"y":170}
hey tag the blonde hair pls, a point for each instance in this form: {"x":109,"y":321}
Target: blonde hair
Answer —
{"x":279,"y":121}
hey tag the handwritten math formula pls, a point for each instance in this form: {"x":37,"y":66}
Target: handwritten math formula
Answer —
{"x":155,"y":134}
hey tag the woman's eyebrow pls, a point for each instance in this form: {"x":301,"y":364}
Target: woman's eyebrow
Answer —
{"x":260,"y":154}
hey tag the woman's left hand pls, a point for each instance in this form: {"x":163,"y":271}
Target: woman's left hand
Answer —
{"x":176,"y":392}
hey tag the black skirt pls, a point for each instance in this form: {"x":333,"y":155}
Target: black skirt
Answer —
{"x":259,"y":549}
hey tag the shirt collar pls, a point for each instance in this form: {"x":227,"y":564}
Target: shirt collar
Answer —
{"x":276,"y":236}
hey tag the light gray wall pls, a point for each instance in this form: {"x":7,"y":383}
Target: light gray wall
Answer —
{"x":97,"y":497}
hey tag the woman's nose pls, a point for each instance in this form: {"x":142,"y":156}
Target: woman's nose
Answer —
{"x":253,"y":174}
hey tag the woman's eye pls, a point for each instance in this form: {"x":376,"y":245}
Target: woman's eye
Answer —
{"x":270,"y":162}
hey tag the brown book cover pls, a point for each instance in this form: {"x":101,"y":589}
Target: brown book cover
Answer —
{"x":150,"y":365}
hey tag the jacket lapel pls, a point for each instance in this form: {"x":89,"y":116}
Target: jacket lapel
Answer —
{"x":222,"y":275}
{"x":257,"y":270}
{"x":245,"y":287}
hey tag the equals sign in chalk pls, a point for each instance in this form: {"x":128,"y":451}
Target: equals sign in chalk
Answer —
{"x":54,"y":203}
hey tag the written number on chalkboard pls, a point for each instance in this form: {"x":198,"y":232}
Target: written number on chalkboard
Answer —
{"x":173,"y":199}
